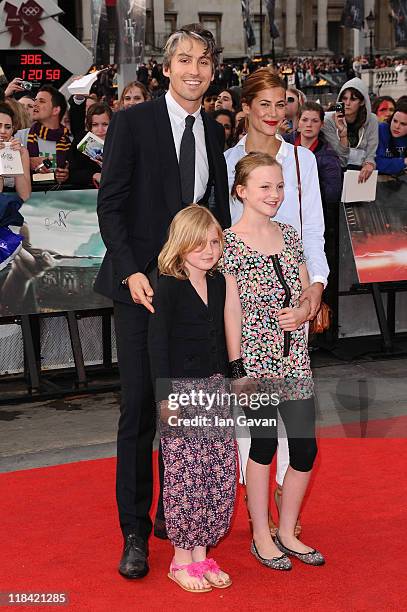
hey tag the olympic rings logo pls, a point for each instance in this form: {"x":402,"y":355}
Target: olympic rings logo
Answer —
{"x":31,"y":11}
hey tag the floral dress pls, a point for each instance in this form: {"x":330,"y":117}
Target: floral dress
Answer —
{"x":262,"y":295}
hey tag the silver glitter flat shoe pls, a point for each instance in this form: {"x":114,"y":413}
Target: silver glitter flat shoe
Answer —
{"x":277,"y":563}
{"x":312,"y":558}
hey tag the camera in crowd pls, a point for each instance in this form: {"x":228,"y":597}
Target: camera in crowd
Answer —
{"x":340,"y":108}
{"x":26,"y":85}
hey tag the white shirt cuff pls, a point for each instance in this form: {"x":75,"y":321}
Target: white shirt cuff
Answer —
{"x":319,"y":279}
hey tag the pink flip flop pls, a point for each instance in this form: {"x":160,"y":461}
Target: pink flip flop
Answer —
{"x":194,"y":569}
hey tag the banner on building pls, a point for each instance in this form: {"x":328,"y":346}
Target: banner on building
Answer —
{"x":131,"y":26}
{"x":378,"y":234}
{"x":100,"y":33}
{"x":353,"y":14}
{"x":399,"y":14}
{"x":61,"y":254}
{"x":247,"y":24}
{"x":271,"y":7}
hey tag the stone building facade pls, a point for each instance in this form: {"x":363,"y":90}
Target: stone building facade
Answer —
{"x":307,"y":27}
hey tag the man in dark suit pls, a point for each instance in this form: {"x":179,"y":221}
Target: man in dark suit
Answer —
{"x":159,"y":156}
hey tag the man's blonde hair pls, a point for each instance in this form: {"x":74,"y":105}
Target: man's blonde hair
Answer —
{"x":188,"y":231}
{"x":194,"y":31}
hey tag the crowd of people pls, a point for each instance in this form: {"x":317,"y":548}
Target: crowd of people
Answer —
{"x":227,"y":288}
{"x":47,"y":126}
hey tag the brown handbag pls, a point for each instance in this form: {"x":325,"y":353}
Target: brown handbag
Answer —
{"x":322,"y":320}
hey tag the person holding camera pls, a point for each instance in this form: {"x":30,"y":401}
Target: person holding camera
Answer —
{"x":48,"y":138}
{"x":352,"y":129}
{"x":16,"y":86}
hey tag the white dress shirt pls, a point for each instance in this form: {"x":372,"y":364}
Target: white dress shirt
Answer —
{"x":313,"y":226}
{"x":177,"y":118}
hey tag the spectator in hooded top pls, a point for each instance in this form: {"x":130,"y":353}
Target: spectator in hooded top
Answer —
{"x":354,"y":135}
{"x":391,"y":156}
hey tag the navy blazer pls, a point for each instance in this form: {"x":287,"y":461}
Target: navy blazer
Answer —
{"x":186,"y":338}
{"x":140,"y":190}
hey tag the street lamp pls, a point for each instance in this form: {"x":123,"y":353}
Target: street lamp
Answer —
{"x":370,"y":20}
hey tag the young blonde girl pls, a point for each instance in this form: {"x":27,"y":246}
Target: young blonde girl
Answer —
{"x":188,"y":353}
{"x":265,"y":273}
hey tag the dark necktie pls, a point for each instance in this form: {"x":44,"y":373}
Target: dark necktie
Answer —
{"x":187,"y":161}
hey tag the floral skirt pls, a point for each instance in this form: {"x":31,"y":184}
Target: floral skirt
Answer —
{"x":199,"y":485}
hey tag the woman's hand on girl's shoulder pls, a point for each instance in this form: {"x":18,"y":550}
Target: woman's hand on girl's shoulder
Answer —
{"x":291,"y":319}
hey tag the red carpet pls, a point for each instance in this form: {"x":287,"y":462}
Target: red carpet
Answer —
{"x":59,"y":534}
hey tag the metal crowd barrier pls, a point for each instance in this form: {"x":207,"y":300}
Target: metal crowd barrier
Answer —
{"x":56,"y":349}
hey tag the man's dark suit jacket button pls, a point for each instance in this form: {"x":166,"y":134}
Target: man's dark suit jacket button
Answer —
{"x":133,"y":563}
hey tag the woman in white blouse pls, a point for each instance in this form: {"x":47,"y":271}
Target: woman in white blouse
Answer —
{"x":264,"y":103}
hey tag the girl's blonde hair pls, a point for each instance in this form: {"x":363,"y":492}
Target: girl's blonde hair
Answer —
{"x":21,"y":120}
{"x":249,"y":163}
{"x":188,"y":231}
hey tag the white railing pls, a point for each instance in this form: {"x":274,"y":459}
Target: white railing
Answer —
{"x":386,"y":81}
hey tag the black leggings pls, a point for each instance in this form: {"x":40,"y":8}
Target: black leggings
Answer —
{"x":299,"y":420}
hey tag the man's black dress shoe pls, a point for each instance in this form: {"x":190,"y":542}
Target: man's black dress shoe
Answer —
{"x":133,"y":563}
{"x":160,"y":530}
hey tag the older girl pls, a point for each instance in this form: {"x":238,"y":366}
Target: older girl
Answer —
{"x":265,"y":272}
{"x":264,"y":104}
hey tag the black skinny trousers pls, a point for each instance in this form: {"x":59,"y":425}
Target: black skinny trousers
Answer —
{"x":299,"y":420}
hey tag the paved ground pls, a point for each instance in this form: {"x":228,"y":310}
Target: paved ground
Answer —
{"x":84,"y":427}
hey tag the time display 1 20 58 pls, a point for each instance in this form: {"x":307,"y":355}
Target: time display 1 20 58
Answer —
{"x":34,"y":66}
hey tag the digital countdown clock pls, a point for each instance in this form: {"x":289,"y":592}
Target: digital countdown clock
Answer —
{"x":34,"y":66}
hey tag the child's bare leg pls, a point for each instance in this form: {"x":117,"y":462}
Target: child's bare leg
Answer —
{"x":294,"y":487}
{"x":257,"y":487}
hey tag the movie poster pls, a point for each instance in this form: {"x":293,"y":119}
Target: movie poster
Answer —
{"x":378,"y":232}
{"x":60,"y":256}
{"x":353,"y":14}
{"x":399,"y":14}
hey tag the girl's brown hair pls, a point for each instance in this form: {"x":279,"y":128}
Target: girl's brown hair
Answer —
{"x":263,"y":78}
{"x":99,"y":108}
{"x":362,"y":112}
{"x":188,"y":231}
{"x":249,"y":163}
